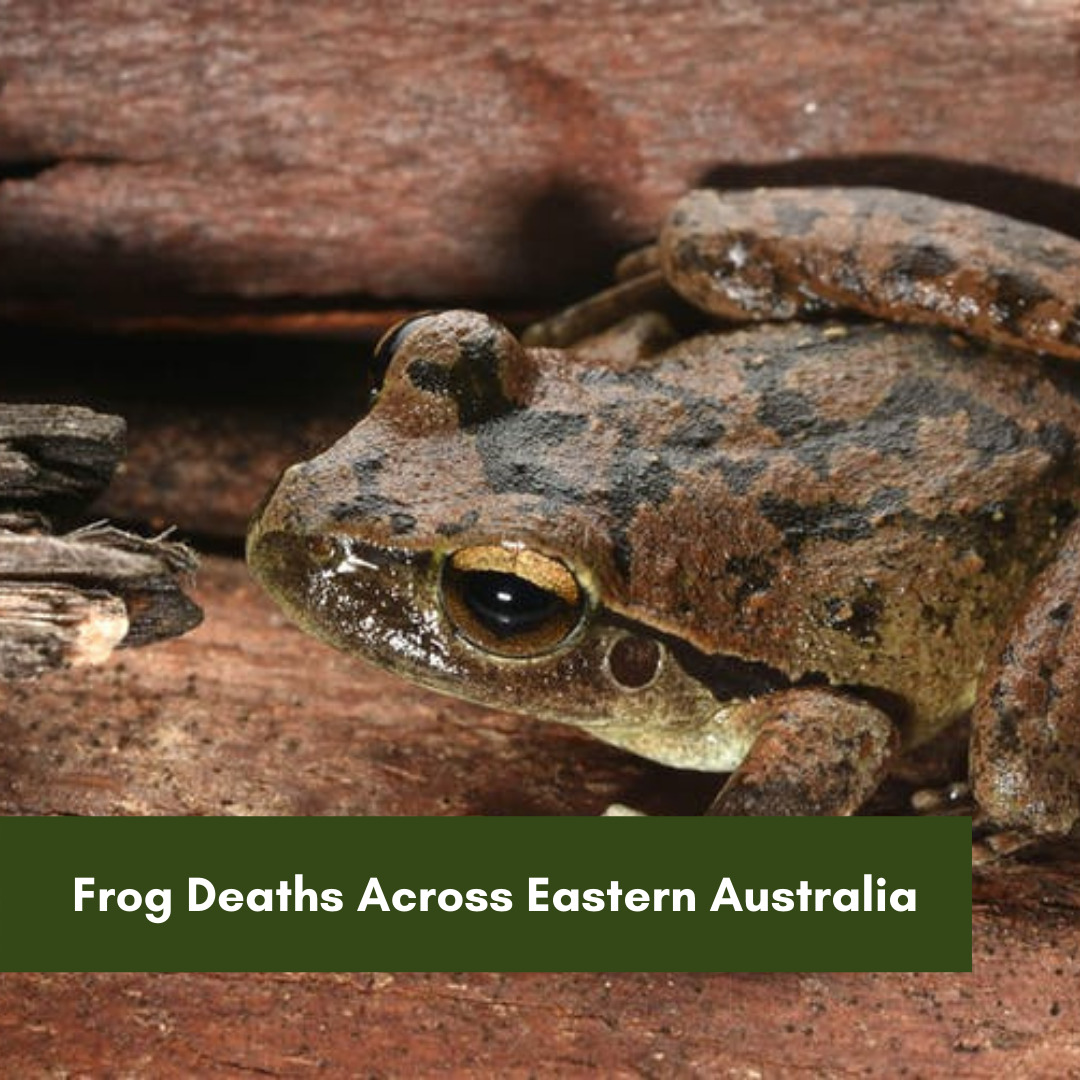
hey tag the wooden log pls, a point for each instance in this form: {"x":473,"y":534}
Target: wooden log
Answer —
{"x":101,"y":562}
{"x":156,"y":157}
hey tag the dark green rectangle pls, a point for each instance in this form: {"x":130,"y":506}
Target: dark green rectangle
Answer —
{"x":930,"y":856}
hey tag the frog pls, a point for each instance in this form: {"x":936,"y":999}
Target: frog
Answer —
{"x":794,"y":495}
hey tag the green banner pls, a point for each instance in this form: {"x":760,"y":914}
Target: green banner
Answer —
{"x":485,"y":894}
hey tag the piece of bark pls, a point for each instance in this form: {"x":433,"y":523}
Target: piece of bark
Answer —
{"x":159,"y":156}
{"x":100,"y":562}
{"x":54,"y":456}
{"x":247,"y":715}
{"x":68,"y":601}
{"x":52,"y":626}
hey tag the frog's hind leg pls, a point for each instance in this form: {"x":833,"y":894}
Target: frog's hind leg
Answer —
{"x":1025,"y":738}
{"x":789,"y":253}
{"x":638,"y":263}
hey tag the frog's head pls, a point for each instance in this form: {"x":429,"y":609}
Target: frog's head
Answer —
{"x":460,"y":535}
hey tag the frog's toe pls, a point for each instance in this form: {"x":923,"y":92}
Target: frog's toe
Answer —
{"x":992,"y":847}
{"x":953,"y":799}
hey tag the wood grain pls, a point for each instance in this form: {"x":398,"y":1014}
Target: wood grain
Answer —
{"x":627,"y":1027}
{"x":160,"y":154}
{"x":70,"y":600}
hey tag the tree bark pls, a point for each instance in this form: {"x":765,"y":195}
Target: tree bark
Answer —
{"x":68,"y":601}
{"x":163,"y":155}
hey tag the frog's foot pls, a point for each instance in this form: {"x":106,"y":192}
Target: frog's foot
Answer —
{"x":954,"y":800}
{"x":993,"y":846}
{"x":638,"y":263}
{"x":818,"y":751}
{"x":598,"y":313}
{"x":1025,"y":731}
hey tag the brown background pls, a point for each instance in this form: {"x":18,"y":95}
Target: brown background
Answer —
{"x":226,"y":201}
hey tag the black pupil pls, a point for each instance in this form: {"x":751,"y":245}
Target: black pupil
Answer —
{"x":507,"y":604}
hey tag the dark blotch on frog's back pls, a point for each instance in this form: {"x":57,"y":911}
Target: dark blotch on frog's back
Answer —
{"x":894,"y":425}
{"x":795,"y":418}
{"x":856,"y":616}
{"x":1013,"y":295}
{"x":914,"y":264}
{"x":834,"y":520}
{"x":797,"y":218}
{"x":701,"y":428}
{"x":754,"y":574}
{"x":637,"y":477}
{"x":787,"y":412}
{"x":740,"y":476}
{"x":848,"y":274}
{"x":513,"y":451}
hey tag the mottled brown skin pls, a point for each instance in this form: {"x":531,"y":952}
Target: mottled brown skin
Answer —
{"x":784,"y":550}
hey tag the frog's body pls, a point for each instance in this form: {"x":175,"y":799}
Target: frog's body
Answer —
{"x":728,"y":541}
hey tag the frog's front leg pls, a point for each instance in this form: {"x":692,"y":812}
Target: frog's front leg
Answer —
{"x":1025,"y":740}
{"x":818,"y":751}
{"x":781,"y":253}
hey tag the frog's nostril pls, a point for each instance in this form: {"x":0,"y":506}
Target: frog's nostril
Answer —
{"x":322,"y":550}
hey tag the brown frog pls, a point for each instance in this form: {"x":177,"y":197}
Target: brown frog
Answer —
{"x":786,"y":551}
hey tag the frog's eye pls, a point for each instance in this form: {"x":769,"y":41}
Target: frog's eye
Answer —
{"x":387,"y":346}
{"x":511,"y":602}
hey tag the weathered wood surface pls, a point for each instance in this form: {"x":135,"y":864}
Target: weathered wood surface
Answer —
{"x":68,"y":601}
{"x":46,"y":626}
{"x":224,"y":720}
{"x":53,"y":455}
{"x":159,"y":153}
{"x":573,"y":1026}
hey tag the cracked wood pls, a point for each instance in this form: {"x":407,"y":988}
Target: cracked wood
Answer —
{"x":156,"y":155}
